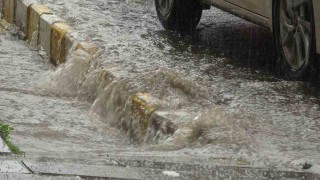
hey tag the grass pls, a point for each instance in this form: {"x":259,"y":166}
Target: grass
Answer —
{"x":5,"y":131}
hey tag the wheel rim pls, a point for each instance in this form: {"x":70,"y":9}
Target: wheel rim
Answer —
{"x":165,"y":6}
{"x":295,"y":32}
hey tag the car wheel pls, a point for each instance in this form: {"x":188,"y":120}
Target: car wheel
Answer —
{"x":295,"y":39}
{"x":179,"y":15}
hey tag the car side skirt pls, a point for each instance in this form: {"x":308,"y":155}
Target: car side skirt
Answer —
{"x":240,"y":12}
{"x":316,"y":10}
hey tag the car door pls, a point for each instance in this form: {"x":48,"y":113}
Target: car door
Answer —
{"x":261,"y":7}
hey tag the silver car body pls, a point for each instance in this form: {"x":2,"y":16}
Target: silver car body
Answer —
{"x":260,"y":12}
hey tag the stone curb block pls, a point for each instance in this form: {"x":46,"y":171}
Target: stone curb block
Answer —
{"x":8,"y":10}
{"x":142,"y":107}
{"x":45,"y":29}
{"x":1,"y":8}
{"x":58,"y":49}
{"x":150,"y":121}
{"x":34,"y":12}
{"x":88,"y":47}
{"x":21,"y":14}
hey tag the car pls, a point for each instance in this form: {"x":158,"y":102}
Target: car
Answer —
{"x":295,"y":25}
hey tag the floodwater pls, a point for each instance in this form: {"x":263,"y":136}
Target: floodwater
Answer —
{"x":47,"y":125}
{"x":218,"y":85}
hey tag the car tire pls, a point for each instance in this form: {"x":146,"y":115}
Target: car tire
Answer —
{"x":179,"y":15}
{"x":294,"y":32}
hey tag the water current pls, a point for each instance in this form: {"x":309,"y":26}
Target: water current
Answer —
{"x":216,"y":85}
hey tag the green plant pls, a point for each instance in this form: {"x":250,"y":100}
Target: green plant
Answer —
{"x":5,"y":131}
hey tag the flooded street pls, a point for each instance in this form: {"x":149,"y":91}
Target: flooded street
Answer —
{"x":219,"y":80}
{"x":230,"y":106}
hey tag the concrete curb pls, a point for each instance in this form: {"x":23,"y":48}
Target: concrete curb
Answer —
{"x":43,"y":28}
{"x":152,"y":124}
{"x":34,"y":11}
{"x":8,"y":10}
{"x":143,"y":107}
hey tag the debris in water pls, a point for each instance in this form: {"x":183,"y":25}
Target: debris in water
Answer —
{"x":306,"y":166}
{"x":171,"y":173}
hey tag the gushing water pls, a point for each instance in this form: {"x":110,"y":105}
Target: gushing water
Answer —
{"x":220,"y":106}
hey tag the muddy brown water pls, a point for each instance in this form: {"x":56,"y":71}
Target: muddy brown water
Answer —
{"x":234,"y":106}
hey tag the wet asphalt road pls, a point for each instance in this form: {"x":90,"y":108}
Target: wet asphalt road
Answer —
{"x":268,"y":121}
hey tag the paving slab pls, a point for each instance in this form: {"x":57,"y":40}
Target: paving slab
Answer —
{"x":15,"y":176}
{"x":85,"y":170}
{"x":4,"y":149}
{"x":13,"y":167}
